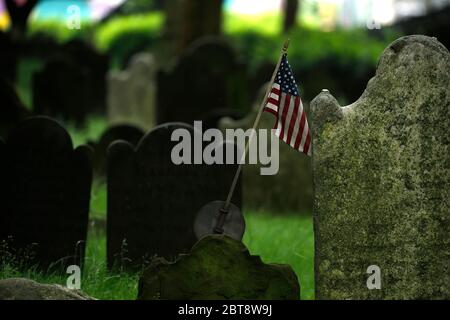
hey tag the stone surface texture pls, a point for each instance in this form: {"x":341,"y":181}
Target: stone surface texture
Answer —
{"x":381,"y":179}
{"x":25,"y":289}
{"x":218,"y":267}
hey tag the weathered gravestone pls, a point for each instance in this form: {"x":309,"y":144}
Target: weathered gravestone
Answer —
{"x":152,"y":203}
{"x":218,"y":267}
{"x":124,"y":132}
{"x":207,"y":76}
{"x":290,"y":190}
{"x":132,"y":93}
{"x":382,"y":180}
{"x":62,"y":89}
{"x":44,"y":195}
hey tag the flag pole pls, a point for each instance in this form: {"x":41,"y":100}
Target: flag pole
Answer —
{"x":224,"y":210}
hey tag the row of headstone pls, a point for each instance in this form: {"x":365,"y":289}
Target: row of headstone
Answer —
{"x":206,"y":77}
{"x":206,"y":83}
{"x":71,"y":84}
{"x":45,"y":187}
{"x":382,"y":180}
{"x":152,"y":202}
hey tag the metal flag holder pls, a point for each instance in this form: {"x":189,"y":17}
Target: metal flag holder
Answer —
{"x":223,"y":217}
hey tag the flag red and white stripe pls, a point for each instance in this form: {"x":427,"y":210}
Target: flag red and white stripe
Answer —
{"x":285,"y":103}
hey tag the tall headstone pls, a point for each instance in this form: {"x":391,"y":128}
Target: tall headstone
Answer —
{"x":152,"y":202}
{"x":96,"y":64}
{"x":382,"y":180}
{"x":207,"y":76}
{"x":132,"y":93}
{"x":72,"y":83}
{"x":288,"y":191}
{"x":44,"y":194}
{"x":62,"y":89}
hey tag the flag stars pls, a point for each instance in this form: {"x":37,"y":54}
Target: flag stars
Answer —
{"x":285,"y":78}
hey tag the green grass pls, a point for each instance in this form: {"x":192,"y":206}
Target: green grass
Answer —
{"x":96,"y":281}
{"x":284,"y":239}
{"x":277,"y":239}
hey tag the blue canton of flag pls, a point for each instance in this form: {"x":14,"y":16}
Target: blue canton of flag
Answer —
{"x":285,"y":103}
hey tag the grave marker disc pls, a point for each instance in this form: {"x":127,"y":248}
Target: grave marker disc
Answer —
{"x":208,"y":217}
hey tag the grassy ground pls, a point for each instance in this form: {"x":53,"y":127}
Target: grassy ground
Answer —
{"x":277,"y":239}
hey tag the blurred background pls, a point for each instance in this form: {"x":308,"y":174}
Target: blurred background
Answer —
{"x":114,"y":69}
{"x":335,"y":43}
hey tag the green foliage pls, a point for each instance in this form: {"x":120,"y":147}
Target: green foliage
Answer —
{"x":139,"y":6}
{"x":309,"y":47}
{"x":257,"y":38}
{"x":124,"y":35}
{"x":25,"y":70}
{"x":58,"y":31}
{"x":264,"y":25}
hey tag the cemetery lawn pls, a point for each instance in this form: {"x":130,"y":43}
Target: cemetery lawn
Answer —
{"x":277,"y":239}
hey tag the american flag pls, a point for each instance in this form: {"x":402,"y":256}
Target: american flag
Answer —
{"x":285,"y":103}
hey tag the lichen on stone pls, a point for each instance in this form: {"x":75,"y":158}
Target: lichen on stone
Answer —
{"x":218,"y":267}
{"x":381,"y":179}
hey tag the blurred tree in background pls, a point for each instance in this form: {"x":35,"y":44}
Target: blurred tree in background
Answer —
{"x":188,"y":20}
{"x":19,"y":11}
{"x":291,"y":10}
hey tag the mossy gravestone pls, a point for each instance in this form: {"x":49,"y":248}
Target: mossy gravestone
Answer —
{"x":382,"y":180}
{"x":152,"y":202}
{"x":218,"y":267}
{"x":45,"y":190}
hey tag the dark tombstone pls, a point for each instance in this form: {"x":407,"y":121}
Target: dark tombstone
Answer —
{"x":12,"y":111}
{"x":152,"y":203}
{"x":44,"y":195}
{"x":72,"y":83}
{"x":97,"y":65}
{"x":62,"y":89}
{"x":125,"y":132}
{"x":207,"y":76}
